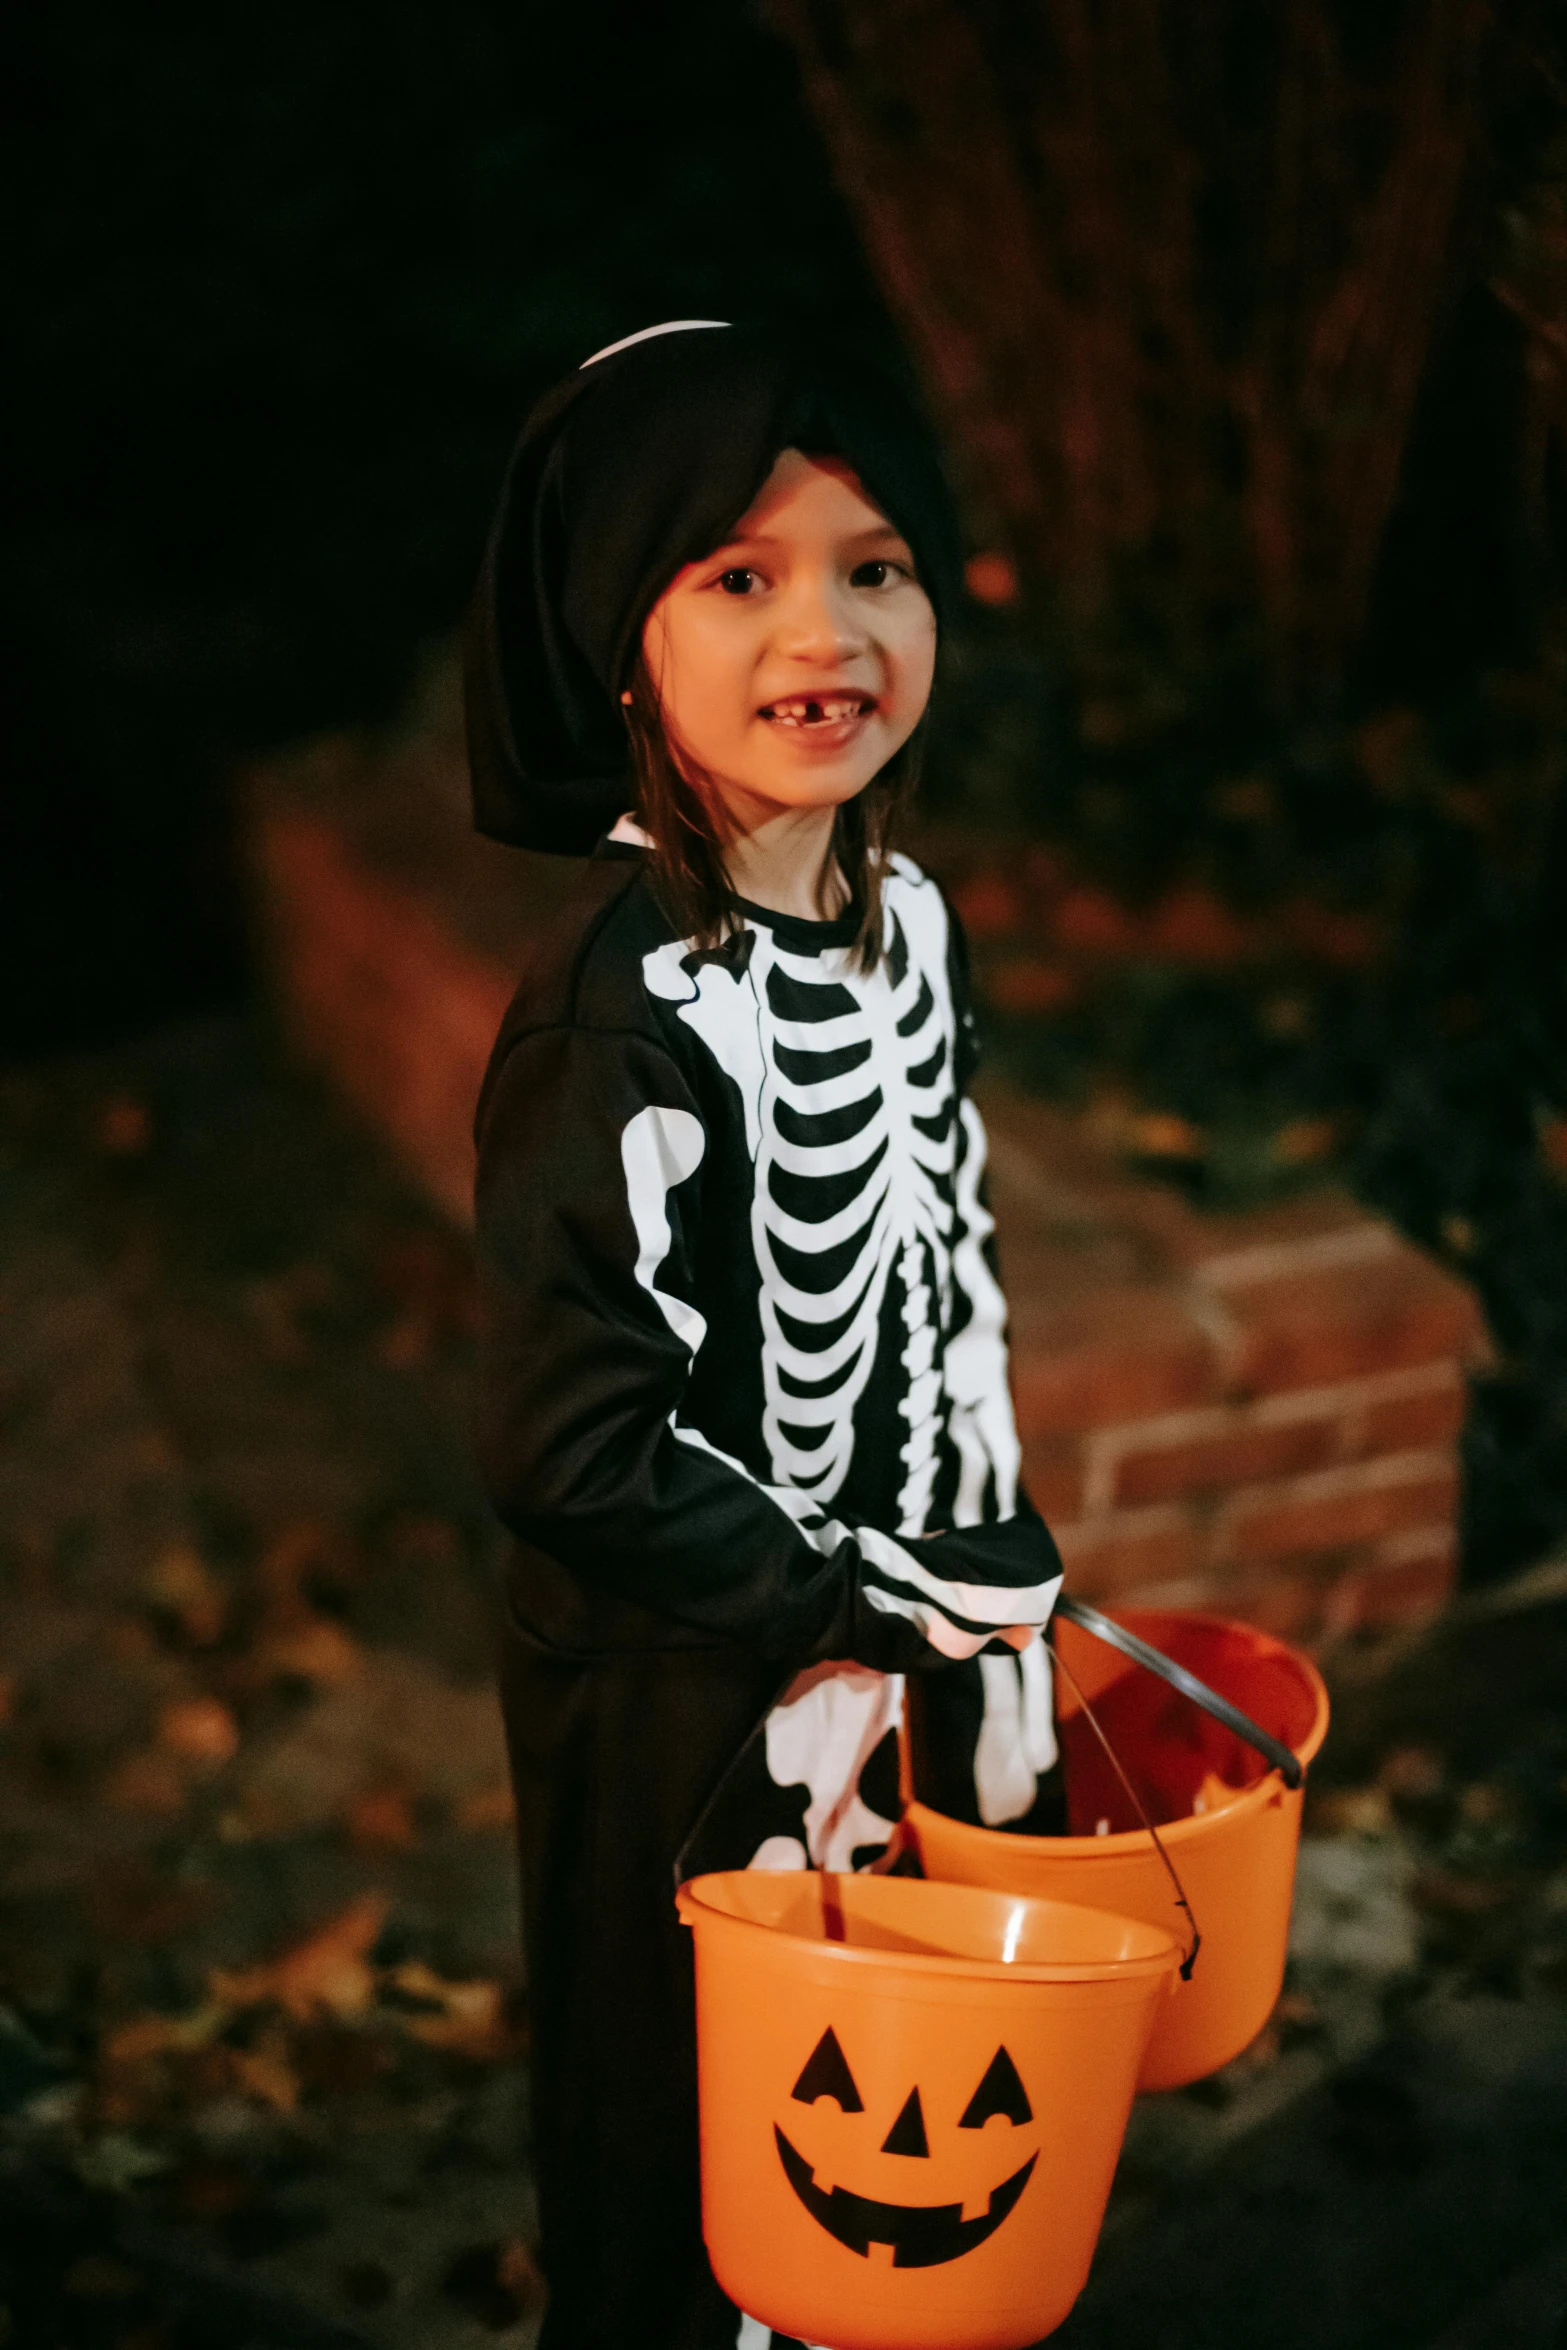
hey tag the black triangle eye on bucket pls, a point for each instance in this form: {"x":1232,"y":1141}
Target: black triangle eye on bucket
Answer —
{"x":1088,"y":1619}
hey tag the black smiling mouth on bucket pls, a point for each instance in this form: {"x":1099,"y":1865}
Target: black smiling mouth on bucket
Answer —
{"x":922,"y":2235}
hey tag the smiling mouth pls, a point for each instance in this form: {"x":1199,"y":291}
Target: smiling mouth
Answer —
{"x":922,"y":2235}
{"x":807,"y":710}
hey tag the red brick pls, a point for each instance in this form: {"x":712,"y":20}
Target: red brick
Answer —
{"x":1214,"y":1463}
{"x":1053,"y":1475}
{"x":1189,"y":1591}
{"x":1288,"y":1601}
{"x":1090,"y":1356}
{"x":1399,"y":1584}
{"x":1130,"y":1548}
{"x":1344,"y":1322}
{"x":1410,"y":1423}
{"x":379,"y":996}
{"x":1160,"y":1232}
{"x":1338,"y":1506}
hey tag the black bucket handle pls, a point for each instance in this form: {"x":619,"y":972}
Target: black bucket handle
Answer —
{"x":1141,"y":1809}
{"x":1273,"y":1750}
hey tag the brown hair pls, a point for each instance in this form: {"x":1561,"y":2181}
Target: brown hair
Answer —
{"x":678,"y":806}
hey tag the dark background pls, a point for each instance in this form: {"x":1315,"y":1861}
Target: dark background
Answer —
{"x":286,"y":278}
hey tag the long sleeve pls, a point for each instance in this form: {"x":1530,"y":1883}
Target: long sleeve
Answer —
{"x":593,"y":1153}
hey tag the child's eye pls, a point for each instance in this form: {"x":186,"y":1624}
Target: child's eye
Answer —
{"x":740,"y":581}
{"x":881,"y":571}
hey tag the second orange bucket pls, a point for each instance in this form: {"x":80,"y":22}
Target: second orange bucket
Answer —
{"x":912,"y":2099}
{"x":1228,"y":1822}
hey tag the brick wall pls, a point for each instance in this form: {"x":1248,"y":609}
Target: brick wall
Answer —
{"x":1254,"y":1412}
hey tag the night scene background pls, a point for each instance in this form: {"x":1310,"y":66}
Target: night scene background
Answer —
{"x":1246,"y":332}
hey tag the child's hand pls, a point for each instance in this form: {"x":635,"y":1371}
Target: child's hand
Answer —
{"x":1018,"y":1636}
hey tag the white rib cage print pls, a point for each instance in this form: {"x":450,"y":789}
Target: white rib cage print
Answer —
{"x":862,"y":1164}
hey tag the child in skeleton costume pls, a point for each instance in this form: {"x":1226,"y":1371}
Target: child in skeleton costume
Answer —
{"x":744,"y":1405}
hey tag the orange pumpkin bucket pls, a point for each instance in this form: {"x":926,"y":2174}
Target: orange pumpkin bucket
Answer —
{"x":913,"y":2098}
{"x":1227,"y":1820}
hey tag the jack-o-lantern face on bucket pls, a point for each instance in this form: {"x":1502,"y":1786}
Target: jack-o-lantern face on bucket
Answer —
{"x":922,"y":2234}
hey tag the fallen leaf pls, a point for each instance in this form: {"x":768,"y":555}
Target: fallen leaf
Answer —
{"x":181,"y":1585}
{"x":119,"y":2161}
{"x":312,"y":1648}
{"x":1351,"y":1811}
{"x":200,"y":1730}
{"x":382,"y":1820}
{"x":144,"y":2036}
{"x":1159,"y":1134}
{"x":300,"y":1555}
{"x":1303,"y":1141}
{"x":470,"y":2018}
{"x":149,"y":1782}
{"x":264,"y":2074}
{"x":330,"y":1971}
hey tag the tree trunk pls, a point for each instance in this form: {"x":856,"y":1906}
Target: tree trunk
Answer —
{"x":1171,"y":269}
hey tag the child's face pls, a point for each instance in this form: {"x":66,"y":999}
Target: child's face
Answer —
{"x":792,"y":663}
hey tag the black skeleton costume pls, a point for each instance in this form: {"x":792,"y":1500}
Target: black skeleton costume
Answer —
{"x":744,"y":1399}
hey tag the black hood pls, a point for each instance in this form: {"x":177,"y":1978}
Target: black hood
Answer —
{"x":642,"y":462}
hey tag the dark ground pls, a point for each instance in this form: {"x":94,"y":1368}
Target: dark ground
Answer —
{"x":262,"y":2037}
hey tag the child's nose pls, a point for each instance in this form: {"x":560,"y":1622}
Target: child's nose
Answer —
{"x":818,"y":622}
